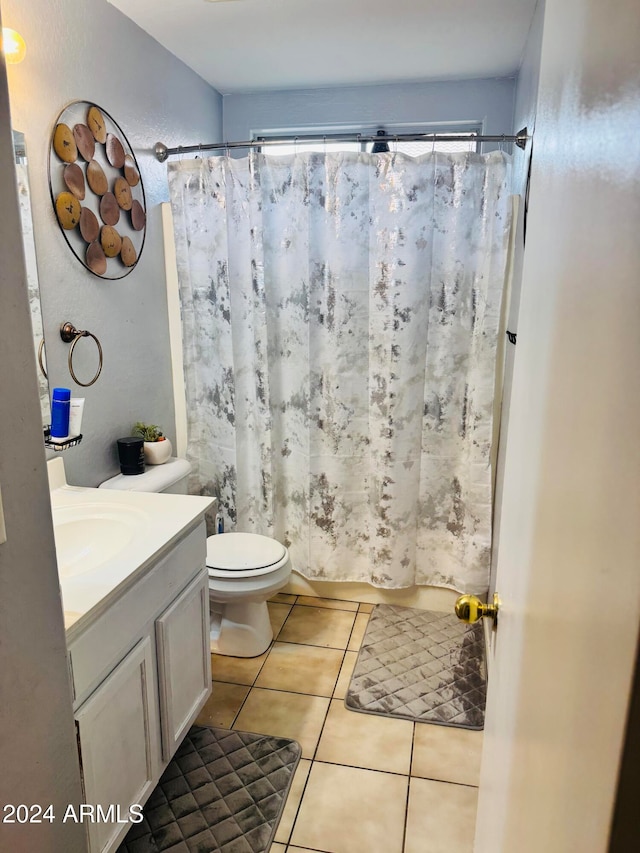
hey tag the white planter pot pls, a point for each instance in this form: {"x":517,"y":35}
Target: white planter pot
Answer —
{"x":157,"y":452}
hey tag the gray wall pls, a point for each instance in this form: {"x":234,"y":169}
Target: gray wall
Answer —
{"x":489,"y":101}
{"x":37,"y":737}
{"x":524,"y":116}
{"x":87,"y":50}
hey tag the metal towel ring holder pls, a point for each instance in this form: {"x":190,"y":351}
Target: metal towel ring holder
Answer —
{"x":71,"y":335}
{"x":41,"y":358}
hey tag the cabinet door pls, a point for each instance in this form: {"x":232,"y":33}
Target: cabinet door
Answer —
{"x":119,"y":744}
{"x":184,"y":662}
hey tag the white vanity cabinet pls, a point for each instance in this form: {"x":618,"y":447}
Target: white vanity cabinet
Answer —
{"x":140,"y":672}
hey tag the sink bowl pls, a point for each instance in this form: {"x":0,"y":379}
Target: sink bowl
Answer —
{"x":90,"y":534}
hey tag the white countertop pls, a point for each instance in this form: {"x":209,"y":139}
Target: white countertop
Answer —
{"x":160,"y":521}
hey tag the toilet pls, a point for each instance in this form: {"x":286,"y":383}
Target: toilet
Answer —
{"x":245,"y":569}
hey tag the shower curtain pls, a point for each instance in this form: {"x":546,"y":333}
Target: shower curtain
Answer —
{"x":340,"y":315}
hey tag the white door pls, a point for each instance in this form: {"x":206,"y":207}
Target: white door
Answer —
{"x":569,"y":562}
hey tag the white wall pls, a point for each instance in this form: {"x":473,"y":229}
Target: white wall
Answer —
{"x":37,"y":739}
{"x":488,"y":101}
{"x":87,"y":50}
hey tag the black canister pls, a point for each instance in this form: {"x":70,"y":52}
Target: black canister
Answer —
{"x":131,"y":455}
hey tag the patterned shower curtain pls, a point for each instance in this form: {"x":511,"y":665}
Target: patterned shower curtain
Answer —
{"x":340,"y":315}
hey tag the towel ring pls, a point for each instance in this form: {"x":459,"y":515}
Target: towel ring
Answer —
{"x":41,"y":358}
{"x":71,"y":335}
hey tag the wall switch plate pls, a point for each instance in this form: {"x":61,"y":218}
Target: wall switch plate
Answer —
{"x":3,"y":529}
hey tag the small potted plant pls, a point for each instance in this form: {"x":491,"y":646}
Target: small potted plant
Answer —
{"x":157,"y":448}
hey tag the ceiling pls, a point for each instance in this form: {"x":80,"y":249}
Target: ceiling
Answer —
{"x":254,"y":45}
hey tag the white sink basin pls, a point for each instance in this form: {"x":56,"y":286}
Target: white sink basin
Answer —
{"x":105,"y":540}
{"x":90,"y":534}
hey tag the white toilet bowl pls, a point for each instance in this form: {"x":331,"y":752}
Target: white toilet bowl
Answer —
{"x":245,"y":569}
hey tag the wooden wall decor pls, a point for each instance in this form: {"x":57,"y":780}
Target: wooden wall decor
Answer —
{"x":96,"y":190}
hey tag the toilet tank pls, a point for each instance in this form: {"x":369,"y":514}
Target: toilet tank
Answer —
{"x":171,"y":478}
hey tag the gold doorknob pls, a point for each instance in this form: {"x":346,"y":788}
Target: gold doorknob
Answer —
{"x":469,"y":608}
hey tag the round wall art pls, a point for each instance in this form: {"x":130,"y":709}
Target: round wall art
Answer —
{"x":96,"y":190}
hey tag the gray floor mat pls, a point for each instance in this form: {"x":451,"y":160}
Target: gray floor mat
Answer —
{"x":420,"y":665}
{"x":223,"y":791}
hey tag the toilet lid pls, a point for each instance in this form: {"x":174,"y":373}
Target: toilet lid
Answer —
{"x":235,"y":552}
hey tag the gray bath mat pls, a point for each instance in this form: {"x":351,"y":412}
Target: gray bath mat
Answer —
{"x":420,"y":665}
{"x":223,"y":791}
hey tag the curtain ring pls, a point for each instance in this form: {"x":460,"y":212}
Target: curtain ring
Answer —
{"x":70,"y":334}
{"x":41,"y":358}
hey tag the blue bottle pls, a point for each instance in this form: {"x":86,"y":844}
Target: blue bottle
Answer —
{"x":60,"y":406}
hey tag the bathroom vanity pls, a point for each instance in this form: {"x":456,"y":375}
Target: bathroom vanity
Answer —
{"x":135,"y":594}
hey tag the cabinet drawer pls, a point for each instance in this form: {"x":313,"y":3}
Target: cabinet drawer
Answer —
{"x":95,"y":652}
{"x":184,"y":662}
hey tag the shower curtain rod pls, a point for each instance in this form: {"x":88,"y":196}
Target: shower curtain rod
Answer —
{"x":520,"y":139}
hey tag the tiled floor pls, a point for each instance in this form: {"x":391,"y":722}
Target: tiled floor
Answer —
{"x":365,"y":784}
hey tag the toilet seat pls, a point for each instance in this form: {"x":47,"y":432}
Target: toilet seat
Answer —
{"x":243,"y":555}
